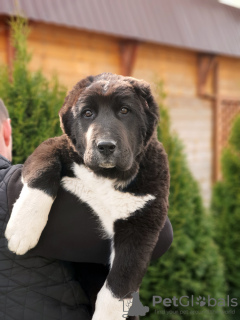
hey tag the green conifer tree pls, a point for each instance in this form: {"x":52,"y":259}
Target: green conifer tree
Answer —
{"x":192,"y":266}
{"x":226,"y":210}
{"x":33,"y":101}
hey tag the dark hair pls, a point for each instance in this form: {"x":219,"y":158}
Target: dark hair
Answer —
{"x":3,"y":112}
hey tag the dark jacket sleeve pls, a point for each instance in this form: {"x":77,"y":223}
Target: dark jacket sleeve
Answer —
{"x":72,"y":232}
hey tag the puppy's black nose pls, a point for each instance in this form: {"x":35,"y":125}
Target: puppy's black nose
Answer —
{"x":106,"y":147}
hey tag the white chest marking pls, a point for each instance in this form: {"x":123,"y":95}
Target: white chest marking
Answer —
{"x":99,"y":193}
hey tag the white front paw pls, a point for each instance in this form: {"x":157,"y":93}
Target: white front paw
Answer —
{"x":28,"y":219}
{"x":108,"y":307}
{"x":20,"y":244}
{"x":22,"y":235}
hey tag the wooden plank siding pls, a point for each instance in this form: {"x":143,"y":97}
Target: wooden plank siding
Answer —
{"x":229,"y":77}
{"x":74,"y":54}
{"x":191,"y":116}
{"x":3,"y":43}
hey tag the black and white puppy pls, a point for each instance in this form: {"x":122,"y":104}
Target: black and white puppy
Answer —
{"x":110,"y":158}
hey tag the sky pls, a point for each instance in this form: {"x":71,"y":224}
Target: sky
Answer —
{"x":234,"y":3}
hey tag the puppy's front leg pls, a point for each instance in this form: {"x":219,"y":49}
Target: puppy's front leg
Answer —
{"x":133,"y":243}
{"x":41,"y":178}
{"x":28,"y":219}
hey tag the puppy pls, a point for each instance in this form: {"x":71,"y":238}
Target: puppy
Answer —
{"x":109,"y":157}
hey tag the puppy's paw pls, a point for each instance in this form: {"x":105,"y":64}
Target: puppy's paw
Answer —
{"x":23,"y":233}
{"x":28,"y":219}
{"x":108,"y":307}
{"x":19,"y":243}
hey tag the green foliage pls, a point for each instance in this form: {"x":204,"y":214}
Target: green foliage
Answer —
{"x":33,"y":101}
{"x":226,"y":210}
{"x":192,"y":266}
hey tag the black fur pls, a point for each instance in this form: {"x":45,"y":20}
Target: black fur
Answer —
{"x":135,"y":237}
{"x":139,"y":163}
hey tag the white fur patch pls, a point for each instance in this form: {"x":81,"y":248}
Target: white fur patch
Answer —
{"x":105,"y":88}
{"x":99,"y":193}
{"x":108,"y":307}
{"x":28,"y":219}
{"x":112,"y":254}
{"x":89,"y":134}
{"x":74,"y":111}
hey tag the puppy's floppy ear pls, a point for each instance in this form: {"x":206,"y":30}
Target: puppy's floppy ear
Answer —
{"x":151,"y":108}
{"x":66,"y":112}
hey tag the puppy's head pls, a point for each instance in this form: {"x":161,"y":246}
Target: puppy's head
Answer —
{"x":109,"y":119}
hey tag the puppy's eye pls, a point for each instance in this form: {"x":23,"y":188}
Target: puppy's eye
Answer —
{"x":87,"y":113}
{"x":124,"y":110}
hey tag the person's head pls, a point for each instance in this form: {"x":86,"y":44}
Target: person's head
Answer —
{"x":5,"y":132}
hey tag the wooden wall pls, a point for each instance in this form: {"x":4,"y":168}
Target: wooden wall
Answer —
{"x":3,"y":43}
{"x":191,"y":116}
{"x":229,"y":77}
{"x":74,"y":54}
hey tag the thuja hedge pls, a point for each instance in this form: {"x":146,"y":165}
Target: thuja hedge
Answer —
{"x":32,"y":100}
{"x":192,"y":266}
{"x":226,"y":210}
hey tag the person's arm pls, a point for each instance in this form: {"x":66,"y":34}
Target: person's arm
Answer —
{"x":72,"y":231}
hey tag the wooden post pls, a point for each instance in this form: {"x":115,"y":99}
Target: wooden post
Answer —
{"x":216,"y":143}
{"x":208,"y":64}
{"x":128,"y":53}
{"x":216,"y":173}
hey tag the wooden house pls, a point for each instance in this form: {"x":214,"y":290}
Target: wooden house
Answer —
{"x":193,"y":46}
